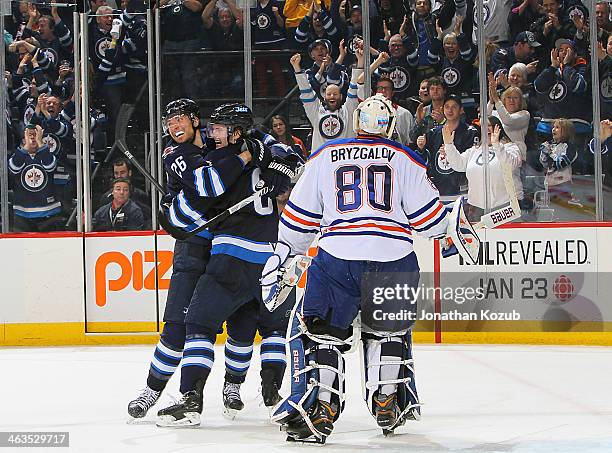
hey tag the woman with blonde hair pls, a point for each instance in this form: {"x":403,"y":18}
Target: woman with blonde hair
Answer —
{"x":511,"y":109}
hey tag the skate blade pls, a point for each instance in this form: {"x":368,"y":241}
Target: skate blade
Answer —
{"x":141,"y":421}
{"x":230,"y":414}
{"x":191,"y":420}
{"x":312,"y":440}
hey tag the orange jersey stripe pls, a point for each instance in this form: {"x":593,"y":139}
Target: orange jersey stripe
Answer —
{"x":426,"y":218}
{"x":371,"y":225}
{"x":298,"y":220}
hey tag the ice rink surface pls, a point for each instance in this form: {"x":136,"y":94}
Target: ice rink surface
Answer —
{"x":476,"y":399}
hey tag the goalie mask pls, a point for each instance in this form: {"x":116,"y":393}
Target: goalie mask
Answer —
{"x":375,"y":116}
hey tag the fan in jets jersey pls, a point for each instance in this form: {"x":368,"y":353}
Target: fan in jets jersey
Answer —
{"x":366,"y":197}
{"x":329,"y":119}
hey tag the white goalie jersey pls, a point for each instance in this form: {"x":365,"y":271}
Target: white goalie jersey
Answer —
{"x":367,"y":196}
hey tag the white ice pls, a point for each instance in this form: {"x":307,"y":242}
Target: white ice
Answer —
{"x":476,"y":399}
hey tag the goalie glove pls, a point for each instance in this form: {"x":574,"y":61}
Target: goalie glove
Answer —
{"x":461,"y":237}
{"x":281,"y":275}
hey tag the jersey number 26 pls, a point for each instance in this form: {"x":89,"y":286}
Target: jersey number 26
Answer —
{"x":378,"y":187}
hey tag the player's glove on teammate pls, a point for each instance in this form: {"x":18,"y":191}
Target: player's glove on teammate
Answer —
{"x":262,"y":155}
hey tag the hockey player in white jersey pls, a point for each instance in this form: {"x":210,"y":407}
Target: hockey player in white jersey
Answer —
{"x":367,"y":197}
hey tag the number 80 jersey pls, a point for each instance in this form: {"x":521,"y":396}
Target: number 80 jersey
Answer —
{"x":367,"y":196}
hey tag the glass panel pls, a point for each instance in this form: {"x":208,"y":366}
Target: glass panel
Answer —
{"x":604,"y":82}
{"x":548,"y":60}
{"x":120,"y":197}
{"x":40,"y":62}
{"x":202,"y":56}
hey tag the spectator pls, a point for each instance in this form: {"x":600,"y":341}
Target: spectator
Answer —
{"x":318,"y":24}
{"x":421,"y":30}
{"x":496,"y":26}
{"x":268,"y":32}
{"x":58,"y":136}
{"x":109,"y":73}
{"x":281,"y":131}
{"x":557,"y":23}
{"x":558,"y":154}
{"x":390,"y":14}
{"x":123,"y":170}
{"x":182,"y":32}
{"x":334,"y":119}
{"x":501,"y":152}
{"x":430,"y":147}
{"x":295,"y":10}
{"x":401,"y":67}
{"x":522,"y":15}
{"x":53,"y":35}
{"x":456,"y":64}
{"x":604,"y":55}
{"x":562,"y":88}
{"x":32,"y":165}
{"x":353,"y":22}
{"x":604,"y":21}
{"x":511,"y":109}
{"x":225,"y":30}
{"x":429,"y":116}
{"x":422,"y":98}
{"x":522,"y":52}
{"x":324,"y":71}
{"x":121,"y":214}
{"x":134,"y":50}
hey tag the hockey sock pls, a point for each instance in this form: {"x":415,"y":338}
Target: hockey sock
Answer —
{"x":272,"y":355}
{"x":198,"y":358}
{"x":167,"y":356}
{"x":237,"y":360}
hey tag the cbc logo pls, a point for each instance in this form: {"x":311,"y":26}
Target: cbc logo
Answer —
{"x":131,"y":272}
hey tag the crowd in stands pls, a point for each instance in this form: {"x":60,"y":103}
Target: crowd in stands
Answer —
{"x":424,"y":57}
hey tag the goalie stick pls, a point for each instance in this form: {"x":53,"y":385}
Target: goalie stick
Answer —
{"x":508,"y":213}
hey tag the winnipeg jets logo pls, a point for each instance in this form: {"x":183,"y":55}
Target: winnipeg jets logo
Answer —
{"x":52,"y":142}
{"x":557,"y":92}
{"x":28,"y":114}
{"x":331,"y":126}
{"x":51,"y":55}
{"x":263,"y":21}
{"x":450,"y":76}
{"x":101,"y":46}
{"x":400,"y":78}
{"x":442,"y":165}
{"x":34,"y":178}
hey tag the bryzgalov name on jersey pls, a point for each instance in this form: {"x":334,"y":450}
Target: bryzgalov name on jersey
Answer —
{"x":362,"y":152}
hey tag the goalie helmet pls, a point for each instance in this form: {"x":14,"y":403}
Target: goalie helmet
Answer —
{"x":182,"y":106}
{"x":233,"y":116}
{"x":375,"y":116}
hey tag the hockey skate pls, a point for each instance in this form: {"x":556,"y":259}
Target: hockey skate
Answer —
{"x":269,"y":389}
{"x":139,"y":407}
{"x":185,"y":413}
{"x":232,"y":403}
{"x":386,"y":412}
{"x":321,"y":417}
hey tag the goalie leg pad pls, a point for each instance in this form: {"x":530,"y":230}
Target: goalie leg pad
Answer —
{"x":389,"y":368}
{"x":317,"y":373}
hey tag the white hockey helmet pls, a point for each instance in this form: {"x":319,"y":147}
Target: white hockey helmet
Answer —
{"x":375,"y":116}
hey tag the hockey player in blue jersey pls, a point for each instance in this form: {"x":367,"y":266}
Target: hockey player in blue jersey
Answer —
{"x":189,"y":176}
{"x":240,"y":246}
{"x":366,"y":197}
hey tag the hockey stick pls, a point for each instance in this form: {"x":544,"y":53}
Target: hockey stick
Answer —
{"x":508,"y":213}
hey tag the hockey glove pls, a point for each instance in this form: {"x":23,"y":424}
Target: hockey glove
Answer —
{"x":278,"y":176}
{"x":261,"y":154}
